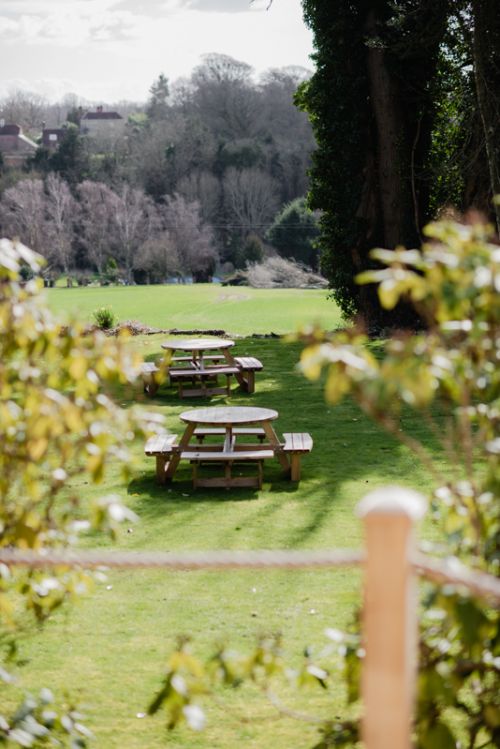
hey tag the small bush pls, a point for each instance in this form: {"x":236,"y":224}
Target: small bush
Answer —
{"x":111,"y":271}
{"x":104,"y":318}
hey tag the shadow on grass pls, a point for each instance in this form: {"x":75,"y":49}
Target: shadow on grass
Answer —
{"x":155,"y":499}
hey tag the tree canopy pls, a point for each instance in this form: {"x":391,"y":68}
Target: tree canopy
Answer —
{"x":385,"y":77}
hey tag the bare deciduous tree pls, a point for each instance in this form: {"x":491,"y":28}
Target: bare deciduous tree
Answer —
{"x":24,"y":108}
{"x":158,"y":257}
{"x":97,"y":207}
{"x":22,"y":214}
{"x":134,"y":222}
{"x":251,"y":198}
{"x":289,"y":128}
{"x":61,"y":213}
{"x":193,"y":240}
{"x":225,"y":97}
{"x":205,"y":188}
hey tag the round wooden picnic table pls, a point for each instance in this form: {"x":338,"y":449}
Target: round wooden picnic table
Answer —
{"x":228,"y":415}
{"x":231,"y":420}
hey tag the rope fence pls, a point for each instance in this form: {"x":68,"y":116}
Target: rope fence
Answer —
{"x":452,"y":572}
{"x":447,"y":571}
{"x":182,"y":560}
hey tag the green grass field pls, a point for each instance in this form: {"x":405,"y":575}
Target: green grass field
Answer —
{"x":108,"y":651}
{"x":238,"y":310}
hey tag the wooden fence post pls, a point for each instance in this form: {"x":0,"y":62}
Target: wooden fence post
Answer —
{"x":389,"y":617}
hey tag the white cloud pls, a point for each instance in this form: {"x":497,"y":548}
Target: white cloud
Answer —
{"x":121,"y":46}
{"x":51,"y":88}
{"x":8,"y":27}
{"x":69,"y":27}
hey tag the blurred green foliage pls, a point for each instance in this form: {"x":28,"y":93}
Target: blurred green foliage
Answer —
{"x":448,"y":374}
{"x":57,"y":421}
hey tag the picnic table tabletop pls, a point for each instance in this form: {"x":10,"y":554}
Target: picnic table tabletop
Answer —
{"x":228,"y":415}
{"x":197,"y":344}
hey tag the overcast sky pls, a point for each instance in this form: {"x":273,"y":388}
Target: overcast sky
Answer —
{"x":114,"y":49}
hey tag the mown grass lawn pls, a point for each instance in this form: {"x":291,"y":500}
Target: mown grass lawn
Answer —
{"x":238,"y":310}
{"x":108,"y":651}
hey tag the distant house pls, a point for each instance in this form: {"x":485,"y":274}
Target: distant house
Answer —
{"x":102,"y":125}
{"x":52,"y":137}
{"x":15,"y":147}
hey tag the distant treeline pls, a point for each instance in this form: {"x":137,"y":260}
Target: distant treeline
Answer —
{"x":196,"y":181}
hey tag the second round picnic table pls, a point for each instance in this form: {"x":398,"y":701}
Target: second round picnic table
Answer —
{"x":197,"y":347}
{"x":205,"y":359}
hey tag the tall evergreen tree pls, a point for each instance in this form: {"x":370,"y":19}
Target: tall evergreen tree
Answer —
{"x":71,"y":160}
{"x":372,"y":108}
{"x":157,"y":107}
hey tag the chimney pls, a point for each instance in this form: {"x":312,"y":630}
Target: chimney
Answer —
{"x":99,"y":108}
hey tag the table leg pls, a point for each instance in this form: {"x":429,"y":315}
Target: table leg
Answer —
{"x":228,"y":440}
{"x":276,"y":445}
{"x":250,"y":381}
{"x":231,"y":361}
{"x":228,"y":474}
{"x":176,"y":456}
{"x":161,"y":463}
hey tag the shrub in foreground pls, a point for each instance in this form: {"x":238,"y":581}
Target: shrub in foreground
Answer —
{"x":57,"y":422}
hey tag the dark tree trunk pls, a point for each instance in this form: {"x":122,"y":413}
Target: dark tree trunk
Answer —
{"x":392,"y":161}
{"x":486,"y":56}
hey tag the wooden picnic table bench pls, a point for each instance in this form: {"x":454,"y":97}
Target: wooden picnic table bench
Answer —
{"x":201,"y":379}
{"x":150,"y":377}
{"x":201,"y":432}
{"x":248,"y":365}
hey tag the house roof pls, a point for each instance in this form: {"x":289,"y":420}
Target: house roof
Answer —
{"x":11,"y":137}
{"x":10,"y":130}
{"x":28,"y":141}
{"x":102,"y":116}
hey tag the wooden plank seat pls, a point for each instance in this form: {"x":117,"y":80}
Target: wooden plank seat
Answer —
{"x":296,"y":444}
{"x":249,"y":362}
{"x":228,"y":459}
{"x":190,"y":372}
{"x":161,"y":446}
{"x":149,"y":373}
{"x":201,"y":432}
{"x":199,"y":379}
{"x":248,"y":366}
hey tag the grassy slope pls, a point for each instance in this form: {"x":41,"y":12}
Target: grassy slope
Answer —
{"x":108,"y":651}
{"x":239,"y":310}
